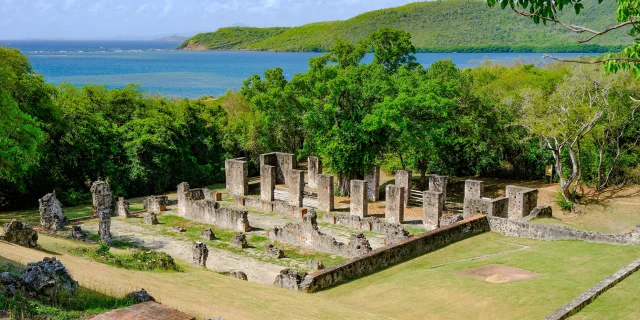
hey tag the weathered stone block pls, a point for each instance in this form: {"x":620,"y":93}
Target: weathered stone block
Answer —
{"x":372,"y":177}
{"x":431,"y":209}
{"x":359,"y":203}
{"x":497,"y":207}
{"x":274,"y":252}
{"x":314,"y":265}
{"x":102,"y":208}
{"x":20,"y":234}
{"x":473,"y":189}
{"x":208,"y":234}
{"x":209,"y":211}
{"x":51,"y":215}
{"x":325,"y":192}
{"x":439,"y":184}
{"x":237,"y":176}
{"x":181,"y":195}
{"x":314,"y":168}
{"x":240,"y":275}
{"x":394,"y":205}
{"x":267,"y":183}
{"x":404,"y":180}
{"x":77,"y":233}
{"x":284,"y":163}
{"x":157,"y":204}
{"x":296,"y":187}
{"x":239,"y":241}
{"x":151,"y":218}
{"x":521,"y":201}
{"x":289,"y":279}
{"x":540,"y":212}
{"x":200,"y":253}
{"x":122,"y":208}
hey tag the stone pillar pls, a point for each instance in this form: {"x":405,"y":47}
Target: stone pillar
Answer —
{"x":102,"y":207}
{"x":439,"y":184}
{"x":314,"y":166}
{"x":296,"y":187}
{"x":473,"y":189}
{"x":521,"y":201}
{"x":431,"y":209}
{"x":200,"y":253}
{"x":394,"y":206}
{"x":183,"y":188}
{"x":325,"y":192}
{"x":122,"y":210}
{"x":372,"y":177}
{"x":51,"y":215}
{"x":403,"y":180}
{"x":267,"y":182}
{"x":359,"y":204}
{"x":237,"y":176}
{"x":156,"y":204}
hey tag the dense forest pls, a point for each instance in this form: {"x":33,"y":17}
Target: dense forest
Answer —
{"x":435,"y":26}
{"x":493,"y":120}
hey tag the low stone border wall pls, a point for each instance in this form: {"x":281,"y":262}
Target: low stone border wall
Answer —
{"x":588,"y":296}
{"x":392,"y":254}
{"x":522,"y":229}
{"x":270,"y":206}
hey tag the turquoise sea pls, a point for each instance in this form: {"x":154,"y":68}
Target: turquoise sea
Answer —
{"x":158,"y":68}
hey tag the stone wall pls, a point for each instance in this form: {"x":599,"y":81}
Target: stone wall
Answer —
{"x":267,"y":182}
{"x":325,"y":192}
{"x":431,"y":209}
{"x":296,"y":187}
{"x":306,"y":234}
{"x":209,"y":211}
{"x":521,"y":229}
{"x":473,"y":189}
{"x":359,"y":204}
{"x":277,"y":206}
{"x":393,"y":254}
{"x":283,"y":162}
{"x":393,"y":231}
{"x":237,"y":177}
{"x":439,"y":184}
{"x":314,"y":168}
{"x":394,"y":205}
{"x":521,"y":201}
{"x":372,"y":177}
{"x":497,"y":207}
{"x":404,"y":180}
{"x":156,"y":204}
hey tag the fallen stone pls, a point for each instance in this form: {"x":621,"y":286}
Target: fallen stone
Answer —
{"x":314,"y":265}
{"x":200,"y":253}
{"x":51,"y":215}
{"x":77,"y":233}
{"x":208,"y":234}
{"x":19,"y":233}
{"x":46,"y":279}
{"x":140,"y":296}
{"x":289,"y":279}
{"x":274,"y":252}
{"x":239,"y":275}
{"x":239,"y":241}
{"x":178,"y":229}
{"x":151,"y":218}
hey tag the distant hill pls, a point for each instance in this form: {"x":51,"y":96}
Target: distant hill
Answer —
{"x":435,"y":26}
{"x":172,"y":38}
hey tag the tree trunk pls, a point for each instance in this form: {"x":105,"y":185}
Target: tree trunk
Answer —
{"x":423,"y":171}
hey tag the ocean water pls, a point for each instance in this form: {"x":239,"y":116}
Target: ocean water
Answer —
{"x":158,"y":68}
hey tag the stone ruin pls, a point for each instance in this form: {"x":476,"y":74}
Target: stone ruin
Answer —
{"x":51,"y":215}
{"x":438,"y":183}
{"x":274,"y":252}
{"x":139,"y":296}
{"x":521,"y":201}
{"x":296,"y":187}
{"x":267,"y":183}
{"x":372,"y":177}
{"x":78,"y":234}
{"x":20,"y":234}
{"x":199,"y":205}
{"x":289,"y":279}
{"x":237,"y":176}
{"x":200,"y":253}
{"x":122,"y":208}
{"x":394,"y":205}
{"x":240,"y":275}
{"x":393,"y":232}
{"x":404,"y":181}
{"x":517,"y":204}
{"x":432,"y":206}
{"x":239,"y":241}
{"x":44,"y":280}
{"x":208,"y":234}
{"x":324,"y":189}
{"x":314,"y":265}
{"x":151,"y":218}
{"x":314,"y":168}
{"x":156,"y":204}
{"x":102,"y":208}
{"x":284,"y":163}
{"x":307,"y":234}
{"x":359,"y":204}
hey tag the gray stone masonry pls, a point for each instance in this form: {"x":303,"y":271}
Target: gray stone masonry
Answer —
{"x":359,"y":204}
{"x":102,"y":208}
{"x":240,"y":275}
{"x":325,"y":192}
{"x":181,"y":195}
{"x":200,"y":253}
{"x":296,"y":187}
{"x":157,"y":204}
{"x":274,"y":252}
{"x":239,"y":241}
{"x":404,"y":180}
{"x":431,"y":209}
{"x":206,"y":210}
{"x":394,"y":205}
{"x":51,"y":215}
{"x":237,"y":176}
{"x":151,"y":218}
{"x":439,"y":184}
{"x":497,"y":207}
{"x":393,"y":232}
{"x":521,"y":201}
{"x":314,"y":168}
{"x":372,"y":177}
{"x":540,"y":212}
{"x":473,"y":189}
{"x":208,"y":234}
{"x":267,"y":183}
{"x":122,"y":208}
{"x":283,"y":162}
{"x":289,"y":279}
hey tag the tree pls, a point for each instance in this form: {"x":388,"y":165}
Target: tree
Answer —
{"x":392,"y":48}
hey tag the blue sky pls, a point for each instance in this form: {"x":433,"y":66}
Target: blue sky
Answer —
{"x":136,"y":19}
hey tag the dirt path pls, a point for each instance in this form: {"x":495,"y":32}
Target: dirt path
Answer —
{"x":219,"y":260}
{"x":196,"y":291}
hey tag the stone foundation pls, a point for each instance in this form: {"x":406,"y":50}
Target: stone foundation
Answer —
{"x":209,"y":211}
{"x":237,"y":177}
{"x":372,"y":177}
{"x":394,"y":205}
{"x":314,"y":168}
{"x":393,"y":231}
{"x":359,"y":204}
{"x":325,"y":192}
{"x":404,"y":180}
{"x":277,"y":206}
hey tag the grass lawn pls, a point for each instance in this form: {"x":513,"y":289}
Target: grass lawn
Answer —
{"x":620,"y":302}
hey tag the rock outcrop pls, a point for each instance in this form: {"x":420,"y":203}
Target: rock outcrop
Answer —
{"x":51,"y":215}
{"x":44,"y":280}
{"x":19,"y":233}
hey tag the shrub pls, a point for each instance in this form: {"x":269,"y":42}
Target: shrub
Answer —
{"x":141,"y":260}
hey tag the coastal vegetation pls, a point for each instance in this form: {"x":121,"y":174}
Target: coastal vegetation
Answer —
{"x":435,"y":26}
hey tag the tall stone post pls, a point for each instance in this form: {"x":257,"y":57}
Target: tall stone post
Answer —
{"x":296,"y":187}
{"x":200,"y":253}
{"x":122,"y":209}
{"x":237,"y":176}
{"x":431,"y":209}
{"x":359,"y":204}
{"x":403,"y":180}
{"x":314,"y":166}
{"x":102,"y":207}
{"x":267,"y":182}
{"x":372,"y":177}
{"x":439,"y":184}
{"x":521,"y":201}
{"x":51,"y":215}
{"x":325,"y":192}
{"x":183,"y":188}
{"x":473,"y":189}
{"x":394,"y":206}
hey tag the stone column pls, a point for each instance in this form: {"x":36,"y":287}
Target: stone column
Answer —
{"x":122,"y":209}
{"x":394,"y":205}
{"x":521,"y":201}
{"x":286,"y":163}
{"x":325,"y":192}
{"x":183,"y":188}
{"x":200,"y":253}
{"x":102,"y":207}
{"x":237,"y":175}
{"x":473,"y":189}
{"x":431,"y":209}
{"x":359,"y":204}
{"x":296,"y":187}
{"x":403,"y":180}
{"x":439,"y":184}
{"x":51,"y":215}
{"x":372,"y":177}
{"x":314,"y":166}
{"x":267,"y":182}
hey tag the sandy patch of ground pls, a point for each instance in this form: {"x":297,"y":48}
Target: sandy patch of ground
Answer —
{"x":497,"y":273}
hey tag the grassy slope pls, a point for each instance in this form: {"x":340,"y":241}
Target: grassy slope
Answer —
{"x":435,"y":26}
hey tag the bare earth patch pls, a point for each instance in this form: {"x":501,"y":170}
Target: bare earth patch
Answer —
{"x":497,"y":273}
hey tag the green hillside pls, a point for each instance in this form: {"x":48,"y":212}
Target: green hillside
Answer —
{"x":443,"y":25}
